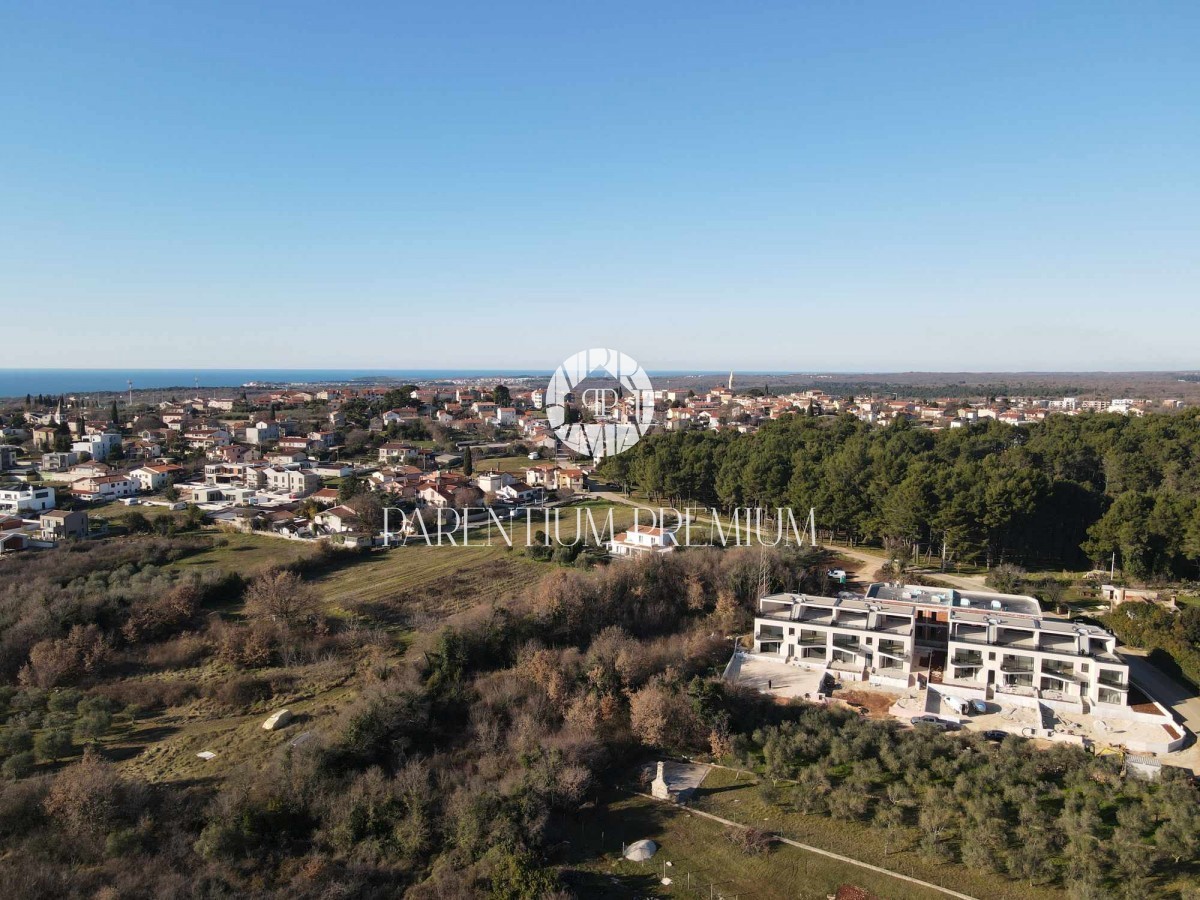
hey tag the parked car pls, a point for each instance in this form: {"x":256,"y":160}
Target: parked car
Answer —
{"x":943,"y":724}
{"x":957,"y":704}
{"x":994,"y":734}
{"x":978,"y":707}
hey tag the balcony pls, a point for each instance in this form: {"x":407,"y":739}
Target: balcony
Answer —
{"x":1011,"y":666}
{"x":1066,"y":675}
{"x":969,"y":637}
{"x":974,"y":660}
{"x":847,"y":645}
{"x":1112,"y":682}
{"x":893,"y":652}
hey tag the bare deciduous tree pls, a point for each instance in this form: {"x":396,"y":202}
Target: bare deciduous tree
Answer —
{"x":281,"y":596}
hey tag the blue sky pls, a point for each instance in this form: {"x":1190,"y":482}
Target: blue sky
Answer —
{"x":786,"y":186}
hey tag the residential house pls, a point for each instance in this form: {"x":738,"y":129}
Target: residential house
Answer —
{"x":571,"y":478}
{"x":155,"y":477}
{"x":323,"y":439}
{"x":400,"y":416}
{"x":295,"y":482}
{"x":642,"y":539}
{"x":98,"y":445}
{"x":233,"y":453}
{"x":333,"y":469}
{"x":261,"y":433}
{"x":517,"y":492}
{"x":396,"y":452}
{"x":338,"y":520}
{"x":203,"y":493}
{"x":60,"y":524}
{"x":20,"y":498}
{"x":8,"y":456}
{"x":104,"y":488}
{"x":437,"y":496}
{"x":299,"y":444}
{"x":206,"y":438}
{"x":542,"y":475}
{"x":59,"y":462}
{"x":88,"y":470}
{"x":491,"y":482}
{"x":326,"y":496}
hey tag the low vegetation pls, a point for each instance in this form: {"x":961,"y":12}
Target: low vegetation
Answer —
{"x":455,"y":754}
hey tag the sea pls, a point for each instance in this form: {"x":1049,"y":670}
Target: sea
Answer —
{"x":19,"y":382}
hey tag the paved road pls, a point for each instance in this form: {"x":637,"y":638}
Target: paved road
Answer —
{"x":1181,"y":699}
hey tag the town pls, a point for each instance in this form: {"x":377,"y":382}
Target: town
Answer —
{"x":289,"y":462}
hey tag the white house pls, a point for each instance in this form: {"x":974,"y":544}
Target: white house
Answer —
{"x":642,"y":539}
{"x":542,"y":475}
{"x":520,"y":493}
{"x":155,"y":477}
{"x":105,"y":487}
{"x":98,"y":445}
{"x":207,"y":438}
{"x":491,"y":482}
{"x":338,"y":520}
{"x":261,"y":433}
{"x":296,"y":482}
{"x":19,"y":498}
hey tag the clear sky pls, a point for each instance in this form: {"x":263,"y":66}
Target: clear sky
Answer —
{"x":786,"y":186}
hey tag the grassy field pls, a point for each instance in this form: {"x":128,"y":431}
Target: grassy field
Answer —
{"x":513,"y":464}
{"x":434,"y":581}
{"x":246,"y":554}
{"x":737,"y":799}
{"x":163,"y":747}
{"x":703,"y":862}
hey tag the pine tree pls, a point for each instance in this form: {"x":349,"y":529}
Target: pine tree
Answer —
{"x":468,"y":462}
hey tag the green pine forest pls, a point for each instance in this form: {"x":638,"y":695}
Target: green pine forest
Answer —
{"x":1067,"y":492}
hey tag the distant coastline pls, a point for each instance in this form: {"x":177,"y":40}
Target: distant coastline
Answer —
{"x":19,"y":382}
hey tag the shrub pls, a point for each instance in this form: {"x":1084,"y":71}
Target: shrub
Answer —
{"x":83,"y":651}
{"x":93,"y":725}
{"x":16,"y":739}
{"x":52,"y":744}
{"x":63,"y":700}
{"x":88,"y":797}
{"x":242,"y":691}
{"x":18,"y":766}
{"x":750,"y":841}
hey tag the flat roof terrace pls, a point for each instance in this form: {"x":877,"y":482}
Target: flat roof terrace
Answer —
{"x":950,"y":598}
